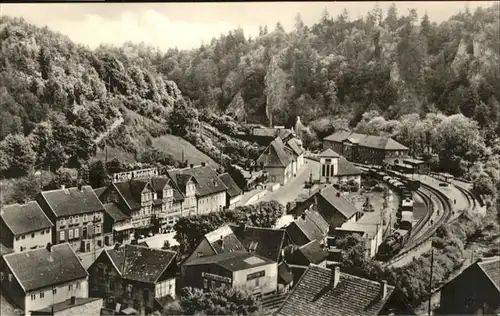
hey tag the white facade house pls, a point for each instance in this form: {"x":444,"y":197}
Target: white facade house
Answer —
{"x":336,"y":169}
{"x":37,"y":279}
{"x":24,"y":227}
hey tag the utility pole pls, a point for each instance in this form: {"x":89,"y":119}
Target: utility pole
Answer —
{"x":429,"y":312}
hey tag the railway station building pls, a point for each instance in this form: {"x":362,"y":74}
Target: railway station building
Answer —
{"x":365,"y":149}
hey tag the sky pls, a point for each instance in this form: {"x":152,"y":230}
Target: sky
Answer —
{"x":188,"y":25}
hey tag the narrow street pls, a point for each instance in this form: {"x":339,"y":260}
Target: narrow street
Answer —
{"x":295,"y":185}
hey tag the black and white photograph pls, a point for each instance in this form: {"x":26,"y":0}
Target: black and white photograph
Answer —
{"x":250,"y":158}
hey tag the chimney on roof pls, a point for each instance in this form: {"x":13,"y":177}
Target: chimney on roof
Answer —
{"x":63,"y":187}
{"x":203,"y":164}
{"x":338,"y":194}
{"x":383,"y":289}
{"x":191,"y":166}
{"x":222,"y":242}
{"x":335,"y":275}
{"x":72,"y":300}
{"x":303,"y":216}
{"x":80,"y":186}
{"x":49,"y":247}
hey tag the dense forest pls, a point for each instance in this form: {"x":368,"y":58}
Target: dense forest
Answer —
{"x":434,"y":87}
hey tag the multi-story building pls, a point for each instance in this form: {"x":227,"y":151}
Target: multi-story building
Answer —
{"x":77,"y":215}
{"x":277,"y":161}
{"x":37,"y":279}
{"x":366,"y":149}
{"x":168,"y":204}
{"x":238,"y":269}
{"x":135,"y":199}
{"x":25,"y":226}
{"x":117,"y":224}
{"x":134,"y":277}
{"x":309,"y":226}
{"x":203,"y":191}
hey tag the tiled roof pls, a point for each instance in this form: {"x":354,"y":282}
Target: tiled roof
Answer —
{"x":206,"y":179}
{"x":285,"y":275}
{"x":79,"y":301}
{"x":338,"y":203}
{"x":345,"y":168}
{"x":138,"y":263}
{"x":125,"y":190}
{"x":267,"y":241}
{"x":284,"y":134}
{"x":232,"y":261}
{"x":232,"y":188}
{"x":329,"y":153}
{"x":304,"y":227}
{"x":315,"y":295}
{"x":25,"y":218}
{"x":492,"y":269}
{"x":72,"y":201}
{"x":318,"y":220}
{"x":292,"y":143}
{"x":275,"y":155}
{"x":114,"y":211}
{"x":313,"y":252}
{"x":371,"y":141}
{"x":39,"y":268}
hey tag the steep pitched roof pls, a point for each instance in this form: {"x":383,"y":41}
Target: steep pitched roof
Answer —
{"x":292,"y":143}
{"x":267,"y":241}
{"x":114,"y":211}
{"x":338,"y":203}
{"x":306,"y":227}
{"x":126,"y":191}
{"x":314,"y":295}
{"x":206,"y":179}
{"x":224,"y":240}
{"x":346,"y":168}
{"x":364,"y":140}
{"x":40,"y":268}
{"x":275,"y":155}
{"x":313,"y":252}
{"x":72,"y":201}
{"x":138,"y":263}
{"x":329,"y":153}
{"x":492,"y":269}
{"x":25,"y":218}
{"x":232,"y":188}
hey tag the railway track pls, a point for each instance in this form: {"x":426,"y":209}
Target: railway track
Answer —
{"x":439,"y":211}
{"x":471,"y":200}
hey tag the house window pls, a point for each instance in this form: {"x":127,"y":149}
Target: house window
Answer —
{"x":54,"y":291}
{"x":70,"y":220}
{"x":212,"y":284}
{"x":77,"y":233}
{"x":61,"y":235}
{"x":23,"y":236}
{"x":33,"y":297}
{"x":1,"y":276}
{"x":129,"y":288}
{"x":42,"y":232}
{"x":42,"y":294}
{"x":205,"y":284}
{"x":70,"y":234}
{"x":70,"y":287}
{"x":77,"y":219}
{"x":10,"y":277}
{"x":47,"y":231}
{"x":77,"y":285}
{"x":98,"y":229}
{"x":17,"y":237}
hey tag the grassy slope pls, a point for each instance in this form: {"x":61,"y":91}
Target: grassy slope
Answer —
{"x":138,"y":128}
